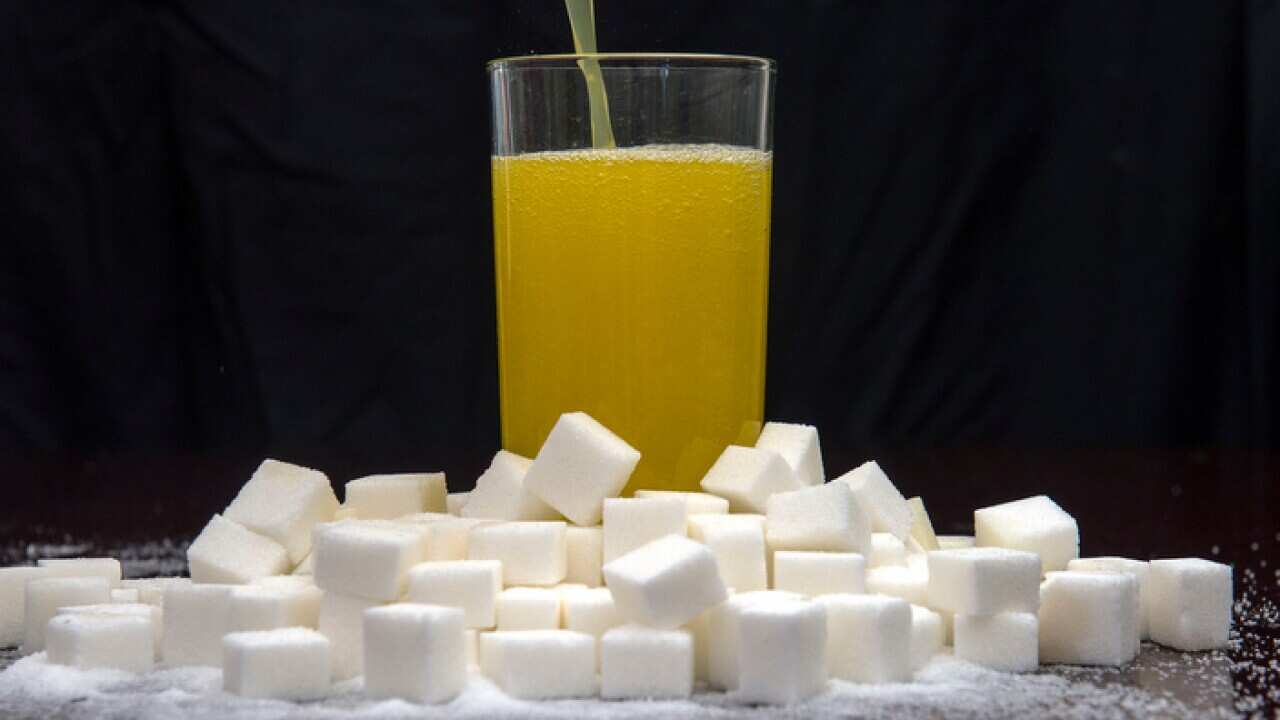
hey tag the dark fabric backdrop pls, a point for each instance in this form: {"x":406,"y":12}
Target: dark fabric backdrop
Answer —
{"x":263,"y":227}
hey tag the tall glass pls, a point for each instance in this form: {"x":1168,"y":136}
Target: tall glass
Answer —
{"x":633,"y":280}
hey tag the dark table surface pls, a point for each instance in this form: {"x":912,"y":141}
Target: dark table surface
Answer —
{"x":1221,"y":505}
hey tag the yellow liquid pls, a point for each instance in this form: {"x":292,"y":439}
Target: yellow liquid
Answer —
{"x":633,"y":284}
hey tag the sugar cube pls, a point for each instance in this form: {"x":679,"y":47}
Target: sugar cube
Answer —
{"x":695,"y":503}
{"x":638,"y":662}
{"x":723,"y":636}
{"x":907,"y":583}
{"x":258,"y":607}
{"x":666,"y":583}
{"x":739,"y":548}
{"x":471,"y":585}
{"x":783,"y":658}
{"x":447,"y":536}
{"x":822,"y":517}
{"x":13,"y":599}
{"x":591,"y":611}
{"x":541,"y":664}
{"x":798,"y":445}
{"x":124,"y":596}
{"x":283,"y":664}
{"x":928,"y":635}
{"x":392,"y":496}
{"x":414,"y":652}
{"x":1189,"y":603}
{"x":149,"y":613}
{"x":1034,"y":524}
{"x":528,"y":608}
{"x":342,"y":621}
{"x":195,"y":619}
{"x":886,"y":550}
{"x":584,"y":555}
{"x":455,"y":501}
{"x":868,"y":638}
{"x":118,"y":642}
{"x":579,"y":465}
{"x":532,"y":553}
{"x":44,"y":596}
{"x":1005,"y":641}
{"x":880,"y":499}
{"x":1088,"y":618}
{"x":1139,"y":569}
{"x":225,"y":552}
{"x":984,"y":581}
{"x":819,"y":573}
{"x":632,"y":522}
{"x":283,"y":502}
{"x":151,"y":590}
{"x":367,"y":558}
{"x":500,"y":493}
{"x":955,"y":542}
{"x":922,"y":526}
{"x":747,"y":477}
{"x":108,"y":568}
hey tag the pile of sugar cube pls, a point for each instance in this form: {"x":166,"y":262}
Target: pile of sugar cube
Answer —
{"x":765,"y":586}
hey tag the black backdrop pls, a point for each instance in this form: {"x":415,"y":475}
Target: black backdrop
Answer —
{"x":263,"y":227}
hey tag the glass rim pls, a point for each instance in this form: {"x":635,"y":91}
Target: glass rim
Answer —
{"x":694,"y":59}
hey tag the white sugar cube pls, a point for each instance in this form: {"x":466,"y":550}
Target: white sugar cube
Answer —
{"x":447,"y":536}
{"x":921,"y":526}
{"x":13,"y":599}
{"x":886,"y":550}
{"x":455,"y":501}
{"x":632,"y":522}
{"x":122,"y":596}
{"x":723,"y":635}
{"x":342,"y":621}
{"x":1189,"y":603}
{"x":798,"y":445}
{"x":579,"y":465}
{"x":195,"y":619}
{"x":284,"y":664}
{"x":928,"y":635}
{"x":739,"y":548}
{"x":955,"y":542}
{"x":1088,"y":618}
{"x":414,"y":652}
{"x":584,"y":555}
{"x":500,"y":493}
{"x":822,"y":517}
{"x":528,"y":608}
{"x":283,"y":502}
{"x":1005,"y":641}
{"x":1034,"y":524}
{"x":880,"y":499}
{"x":117,"y":642}
{"x":258,"y":607}
{"x":666,"y":583}
{"x":107,"y":568}
{"x":638,"y":662}
{"x":747,"y":477}
{"x":695,"y":503}
{"x":784,"y":652}
{"x":590,"y":610}
{"x":392,"y":496}
{"x":984,"y":581}
{"x":226,"y":552}
{"x":1139,"y":569}
{"x":908,"y":583}
{"x":471,"y":585}
{"x":819,"y":573}
{"x":541,"y":664}
{"x":153,"y":615}
{"x":151,"y":590}
{"x":532,"y":553}
{"x":367,"y":558}
{"x":868,"y":638}
{"x":45,"y":596}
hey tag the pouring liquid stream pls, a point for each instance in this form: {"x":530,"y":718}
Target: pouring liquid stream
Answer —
{"x":582,"y":22}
